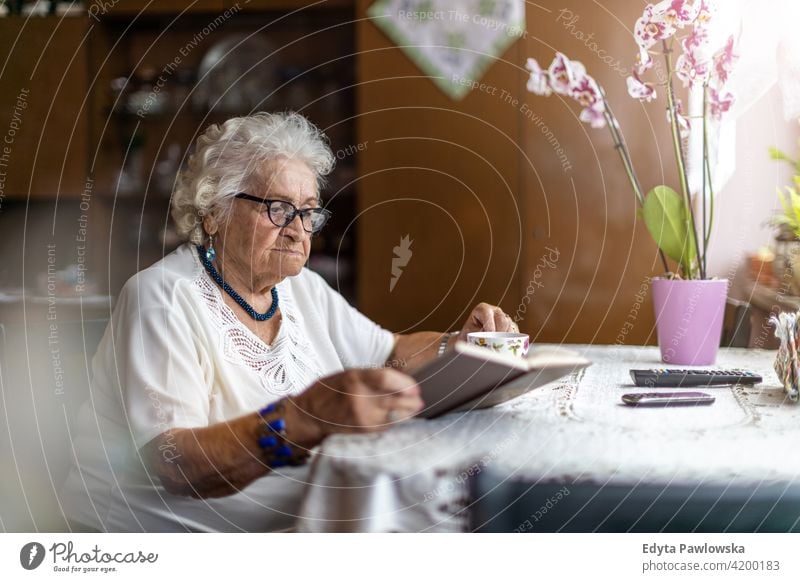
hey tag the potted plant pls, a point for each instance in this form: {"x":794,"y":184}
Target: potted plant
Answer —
{"x":787,"y":238}
{"x":689,"y":305}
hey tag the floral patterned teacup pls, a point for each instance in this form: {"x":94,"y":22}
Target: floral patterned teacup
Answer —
{"x":503,"y":342}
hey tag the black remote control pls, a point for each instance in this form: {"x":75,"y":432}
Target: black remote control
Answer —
{"x":671,"y":378}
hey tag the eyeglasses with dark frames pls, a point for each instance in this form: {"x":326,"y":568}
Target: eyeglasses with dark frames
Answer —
{"x":281,"y":213}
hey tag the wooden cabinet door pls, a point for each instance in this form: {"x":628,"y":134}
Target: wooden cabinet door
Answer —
{"x":578,"y":198}
{"x":43,"y":104}
{"x":440,"y":218}
{"x":508,"y":197}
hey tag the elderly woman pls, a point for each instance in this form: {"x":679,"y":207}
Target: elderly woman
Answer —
{"x":227,"y":362}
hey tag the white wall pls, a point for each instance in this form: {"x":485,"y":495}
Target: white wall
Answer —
{"x":749,"y":199}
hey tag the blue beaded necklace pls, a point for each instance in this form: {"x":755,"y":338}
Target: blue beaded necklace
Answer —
{"x":204,"y":258}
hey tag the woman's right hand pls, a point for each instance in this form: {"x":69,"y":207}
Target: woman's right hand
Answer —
{"x":354,"y":401}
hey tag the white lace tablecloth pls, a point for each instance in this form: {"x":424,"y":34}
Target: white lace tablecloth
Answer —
{"x":413,"y":477}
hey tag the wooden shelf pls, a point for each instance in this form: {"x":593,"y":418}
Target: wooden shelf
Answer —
{"x":72,"y":131}
{"x":302,"y":74}
{"x":285,"y":5}
{"x":769,"y":298}
{"x":764,"y":302}
{"x":129,"y":8}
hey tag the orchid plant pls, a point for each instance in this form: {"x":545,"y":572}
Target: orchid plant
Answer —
{"x":663,"y":29}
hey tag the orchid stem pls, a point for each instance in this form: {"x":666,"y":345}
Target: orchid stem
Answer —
{"x":676,"y":142}
{"x":627,"y":162}
{"x":705,"y":153}
{"x":707,"y":172}
{"x":619,"y":145}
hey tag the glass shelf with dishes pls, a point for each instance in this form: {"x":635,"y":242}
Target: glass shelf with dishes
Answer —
{"x":154,"y":113}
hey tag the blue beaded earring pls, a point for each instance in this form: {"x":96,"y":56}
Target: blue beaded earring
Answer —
{"x":211,"y":254}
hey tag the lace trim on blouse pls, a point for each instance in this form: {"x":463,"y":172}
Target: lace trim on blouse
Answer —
{"x":287,"y":366}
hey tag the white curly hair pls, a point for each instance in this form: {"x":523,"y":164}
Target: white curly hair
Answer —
{"x":229,"y":158}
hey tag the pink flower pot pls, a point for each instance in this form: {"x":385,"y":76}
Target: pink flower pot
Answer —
{"x":689,"y":317}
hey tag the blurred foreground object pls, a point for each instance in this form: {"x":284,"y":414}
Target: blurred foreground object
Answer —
{"x":786,"y":364}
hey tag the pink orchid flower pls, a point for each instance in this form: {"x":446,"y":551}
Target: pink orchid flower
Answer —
{"x":661,"y":21}
{"x":691,"y":67}
{"x":719,"y":102}
{"x":684,"y":125}
{"x":569,"y":78}
{"x":638,"y":89}
{"x":643,"y":62}
{"x":675,"y":13}
{"x":697,"y":39}
{"x":648,"y":32}
{"x":538,"y":82}
{"x":593,"y":116}
{"x":582,"y":87}
{"x":586,"y":91}
{"x":704,"y":14}
{"x":563,"y":72}
{"x":724,"y":60}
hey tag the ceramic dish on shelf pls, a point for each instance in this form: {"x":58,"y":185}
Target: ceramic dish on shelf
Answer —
{"x":235,"y":75}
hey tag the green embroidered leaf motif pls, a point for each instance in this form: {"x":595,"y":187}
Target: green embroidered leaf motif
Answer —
{"x":667,"y":219}
{"x":487,"y":7}
{"x":456,"y":40}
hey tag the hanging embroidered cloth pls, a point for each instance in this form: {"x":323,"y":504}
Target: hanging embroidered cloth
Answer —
{"x":452,"y":41}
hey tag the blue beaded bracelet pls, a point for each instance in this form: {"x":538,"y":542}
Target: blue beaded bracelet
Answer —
{"x":272,"y":439}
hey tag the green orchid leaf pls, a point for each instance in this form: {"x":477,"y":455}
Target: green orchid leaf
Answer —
{"x":667,"y":220}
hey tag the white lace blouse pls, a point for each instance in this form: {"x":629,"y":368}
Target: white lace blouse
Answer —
{"x":176,"y":356}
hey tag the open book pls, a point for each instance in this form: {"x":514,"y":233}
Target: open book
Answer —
{"x":468,"y":377}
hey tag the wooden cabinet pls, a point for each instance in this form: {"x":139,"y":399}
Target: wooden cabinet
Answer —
{"x":510,"y":201}
{"x":98,"y":9}
{"x":160,"y":84}
{"x":127,"y":8}
{"x":442,"y":175}
{"x":43,"y":106}
{"x":599,"y":291}
{"x":271,"y":5}
{"x":72,"y":91}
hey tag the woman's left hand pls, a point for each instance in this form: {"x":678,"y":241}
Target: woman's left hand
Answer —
{"x":485,"y":317}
